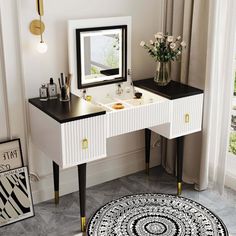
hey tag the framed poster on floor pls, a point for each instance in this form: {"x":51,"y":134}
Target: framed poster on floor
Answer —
{"x":15,"y":196}
{"x":10,"y":155}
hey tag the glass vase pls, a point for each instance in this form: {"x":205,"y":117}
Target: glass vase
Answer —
{"x":162,"y":74}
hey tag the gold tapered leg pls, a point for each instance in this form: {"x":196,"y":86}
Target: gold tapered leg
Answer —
{"x":147,"y":168}
{"x":56,"y":197}
{"x":83,"y":224}
{"x":179,"y":188}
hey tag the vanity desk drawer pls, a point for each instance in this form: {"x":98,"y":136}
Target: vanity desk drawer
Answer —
{"x":83,"y":140}
{"x":137,"y":118}
{"x":69,"y":133}
{"x":186,"y":115}
{"x":186,"y":107}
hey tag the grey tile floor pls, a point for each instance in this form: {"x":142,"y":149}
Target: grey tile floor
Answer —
{"x":64,"y":219}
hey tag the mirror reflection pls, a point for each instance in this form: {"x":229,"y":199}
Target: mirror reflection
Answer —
{"x":102,"y":56}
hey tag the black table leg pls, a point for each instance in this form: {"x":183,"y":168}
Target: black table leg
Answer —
{"x":56,"y":182}
{"x":82,"y":194}
{"x":180,"y":154}
{"x":147,"y":148}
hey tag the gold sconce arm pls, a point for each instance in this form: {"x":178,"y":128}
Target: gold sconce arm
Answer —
{"x":37,"y":27}
{"x":40,"y":10}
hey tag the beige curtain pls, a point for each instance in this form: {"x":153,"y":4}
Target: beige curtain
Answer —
{"x":188,"y":18}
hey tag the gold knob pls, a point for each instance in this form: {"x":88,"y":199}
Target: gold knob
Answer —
{"x":88,"y":98}
{"x":85,"y":143}
{"x":186,"y":118}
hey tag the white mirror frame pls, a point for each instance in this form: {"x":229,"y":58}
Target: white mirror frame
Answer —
{"x":92,"y":23}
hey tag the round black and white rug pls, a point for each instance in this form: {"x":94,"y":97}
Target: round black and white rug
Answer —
{"x":155,"y":214}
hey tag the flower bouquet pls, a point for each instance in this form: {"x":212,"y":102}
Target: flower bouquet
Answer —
{"x":163,"y":49}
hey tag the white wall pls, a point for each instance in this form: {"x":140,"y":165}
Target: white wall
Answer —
{"x":126,"y":153}
{"x":12,"y":74}
{"x":4,"y":132}
{"x":38,"y":68}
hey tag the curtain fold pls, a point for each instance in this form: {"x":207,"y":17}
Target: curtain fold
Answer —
{"x":208,"y":27}
{"x":219,"y":84}
{"x":188,"y":18}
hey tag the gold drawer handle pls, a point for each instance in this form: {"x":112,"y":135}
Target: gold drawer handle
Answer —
{"x":88,"y":98}
{"x":186,"y":118}
{"x":85,"y":143}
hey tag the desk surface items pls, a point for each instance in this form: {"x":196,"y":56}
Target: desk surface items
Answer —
{"x":104,"y":102}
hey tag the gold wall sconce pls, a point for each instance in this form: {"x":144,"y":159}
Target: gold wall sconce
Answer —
{"x":37,"y":27}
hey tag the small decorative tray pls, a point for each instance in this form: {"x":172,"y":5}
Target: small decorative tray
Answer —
{"x":118,"y":106}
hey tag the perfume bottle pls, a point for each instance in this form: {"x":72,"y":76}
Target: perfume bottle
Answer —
{"x":43,"y":93}
{"x":52,"y":90}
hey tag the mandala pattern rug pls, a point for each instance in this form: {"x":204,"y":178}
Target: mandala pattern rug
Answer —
{"x":155,"y":214}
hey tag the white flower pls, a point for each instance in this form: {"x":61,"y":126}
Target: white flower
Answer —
{"x":157,"y":44}
{"x":159,"y":35}
{"x":142,"y":44}
{"x":178,"y":38}
{"x":172,"y":45}
{"x":170,"y":39}
{"x":151,"y":42}
{"x":179,"y":52}
{"x":183,"y":44}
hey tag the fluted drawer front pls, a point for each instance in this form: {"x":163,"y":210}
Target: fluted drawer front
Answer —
{"x":186,"y":115}
{"x":136,"y":118}
{"x":83,"y":140}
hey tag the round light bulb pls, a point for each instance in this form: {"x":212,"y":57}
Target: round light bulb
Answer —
{"x":42,"y":47}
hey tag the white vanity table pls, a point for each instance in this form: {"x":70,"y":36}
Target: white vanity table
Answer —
{"x":77,"y":131}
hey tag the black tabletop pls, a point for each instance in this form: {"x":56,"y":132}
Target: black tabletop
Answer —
{"x":62,"y":112}
{"x":173,"y":90}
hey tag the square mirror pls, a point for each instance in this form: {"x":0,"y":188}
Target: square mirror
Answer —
{"x":101,"y":55}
